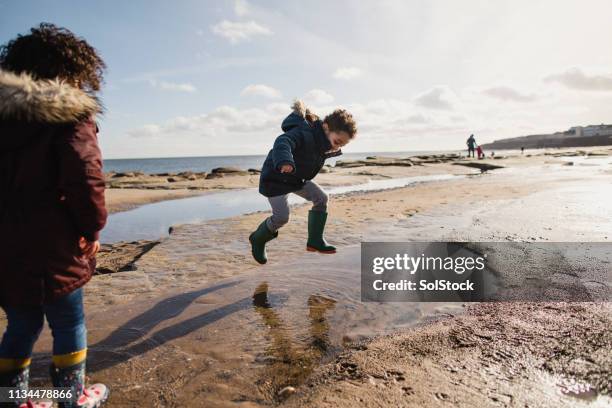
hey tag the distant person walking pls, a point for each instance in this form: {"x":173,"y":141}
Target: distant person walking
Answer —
{"x":471,"y":144}
{"x":51,"y":205}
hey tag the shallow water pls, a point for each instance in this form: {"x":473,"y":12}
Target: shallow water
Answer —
{"x":249,"y":336}
{"x":152,"y":221}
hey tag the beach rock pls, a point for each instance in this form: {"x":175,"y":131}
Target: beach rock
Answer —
{"x":230,"y":171}
{"x":348,"y":163}
{"x":482,"y":166}
{"x":126,"y":174}
{"x":214,"y":176}
{"x":254,"y":171}
{"x":121,"y":256}
{"x":173,"y":179}
{"x":381,"y":162}
{"x":378,"y":161}
{"x":286,"y":392}
{"x":568,"y":164}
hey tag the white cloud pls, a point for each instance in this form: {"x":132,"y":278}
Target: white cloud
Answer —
{"x":261,"y":90}
{"x":241,"y":7}
{"x":236,"y":32}
{"x":506,"y":93}
{"x":439,"y":97}
{"x":221,"y":122}
{"x":347,"y":73}
{"x":575,"y":78}
{"x":145,"y":131}
{"x":173,"y":86}
{"x":318,"y":97}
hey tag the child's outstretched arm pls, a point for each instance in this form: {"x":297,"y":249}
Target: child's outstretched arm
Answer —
{"x":284,"y":146}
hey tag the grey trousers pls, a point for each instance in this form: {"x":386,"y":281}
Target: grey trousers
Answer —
{"x":280,"y":204}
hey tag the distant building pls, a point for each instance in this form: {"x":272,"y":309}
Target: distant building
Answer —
{"x":592,"y":130}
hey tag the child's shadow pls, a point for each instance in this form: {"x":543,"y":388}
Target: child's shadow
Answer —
{"x":116,"y":348}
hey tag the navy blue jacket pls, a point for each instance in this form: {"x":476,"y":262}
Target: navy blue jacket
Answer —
{"x":304,"y":146}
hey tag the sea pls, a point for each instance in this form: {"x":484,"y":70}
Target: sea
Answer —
{"x":207,"y":163}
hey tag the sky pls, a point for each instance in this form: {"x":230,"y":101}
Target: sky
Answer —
{"x":204,"y":78}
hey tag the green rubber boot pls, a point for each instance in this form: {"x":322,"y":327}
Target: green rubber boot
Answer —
{"x":258,"y":242}
{"x":316,"y":225}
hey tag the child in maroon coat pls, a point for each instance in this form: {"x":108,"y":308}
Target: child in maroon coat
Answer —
{"x":51,"y":203}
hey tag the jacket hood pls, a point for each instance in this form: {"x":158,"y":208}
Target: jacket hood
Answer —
{"x":292,"y":121}
{"x":23,"y":98}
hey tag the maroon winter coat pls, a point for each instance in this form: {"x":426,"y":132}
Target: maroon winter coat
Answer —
{"x":51,"y":188}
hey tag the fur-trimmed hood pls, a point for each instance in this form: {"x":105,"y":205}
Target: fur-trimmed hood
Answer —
{"x":43,"y":101}
{"x":302,"y":110}
{"x":300,"y":116}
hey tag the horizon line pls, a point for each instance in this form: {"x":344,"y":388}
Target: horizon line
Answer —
{"x":264,"y":154}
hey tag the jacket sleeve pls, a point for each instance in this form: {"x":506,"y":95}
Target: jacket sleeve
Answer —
{"x":284,"y":146}
{"x":82,"y":179}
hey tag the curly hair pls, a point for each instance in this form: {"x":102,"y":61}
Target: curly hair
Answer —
{"x":50,"y":52}
{"x":341,"y":121}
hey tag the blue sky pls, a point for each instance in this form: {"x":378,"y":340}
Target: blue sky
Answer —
{"x":190,"y":78}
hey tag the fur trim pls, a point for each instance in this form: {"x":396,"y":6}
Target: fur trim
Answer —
{"x":47,"y":101}
{"x":300,"y":108}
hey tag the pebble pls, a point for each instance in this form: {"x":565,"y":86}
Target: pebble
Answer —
{"x":286,"y":392}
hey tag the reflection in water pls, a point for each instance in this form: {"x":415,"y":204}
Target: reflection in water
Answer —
{"x":291,"y":362}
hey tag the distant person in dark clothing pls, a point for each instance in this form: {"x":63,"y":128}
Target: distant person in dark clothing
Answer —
{"x":522,"y":150}
{"x":471,"y":144}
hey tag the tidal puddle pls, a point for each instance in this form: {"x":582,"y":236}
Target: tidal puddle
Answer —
{"x":251,"y":336}
{"x":152,"y":221}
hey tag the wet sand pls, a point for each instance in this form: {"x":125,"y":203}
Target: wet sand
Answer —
{"x":196,"y":322}
{"x":495,"y":355}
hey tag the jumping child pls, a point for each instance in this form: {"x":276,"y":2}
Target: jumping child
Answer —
{"x":51,"y":204}
{"x":296,"y":158}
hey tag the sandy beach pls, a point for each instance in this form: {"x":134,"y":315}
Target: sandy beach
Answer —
{"x":254,"y":204}
{"x":192,"y":320}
